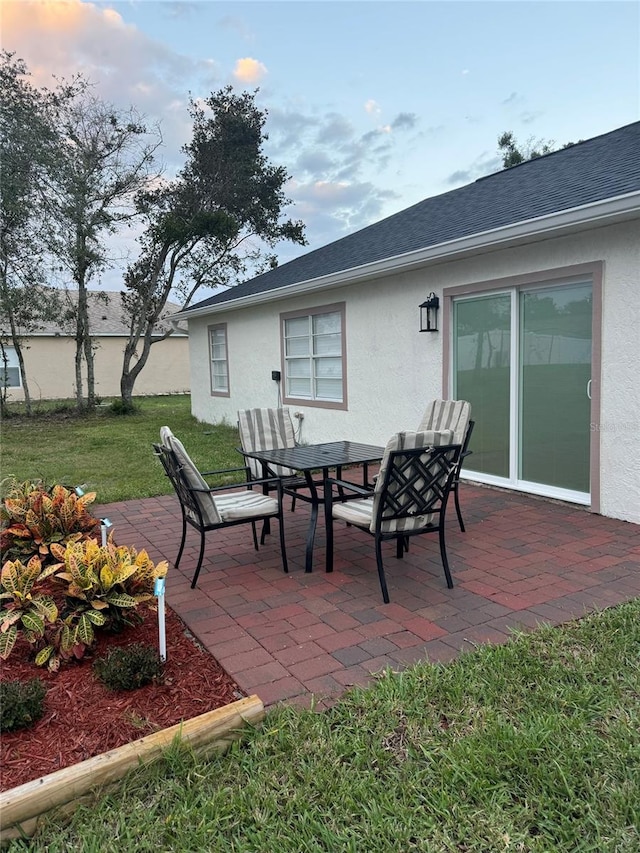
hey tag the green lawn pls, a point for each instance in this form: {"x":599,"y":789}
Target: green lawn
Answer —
{"x":112,"y":454}
{"x":533,"y":746}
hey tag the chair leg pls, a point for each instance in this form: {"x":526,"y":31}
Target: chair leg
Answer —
{"x":182,"y":541}
{"x":383,"y":580}
{"x":400,"y":546}
{"x":266,"y":528}
{"x":195,"y":577}
{"x":293,"y":502}
{"x":443,"y":554}
{"x":255,"y":535}
{"x":456,"y":500}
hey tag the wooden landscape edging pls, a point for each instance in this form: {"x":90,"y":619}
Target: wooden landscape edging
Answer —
{"x":21,"y":808}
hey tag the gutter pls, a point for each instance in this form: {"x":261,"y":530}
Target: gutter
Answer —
{"x":577,"y":218}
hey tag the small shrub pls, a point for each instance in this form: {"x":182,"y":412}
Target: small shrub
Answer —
{"x":21,"y":703}
{"x":129,"y":667}
{"x":122,"y":409}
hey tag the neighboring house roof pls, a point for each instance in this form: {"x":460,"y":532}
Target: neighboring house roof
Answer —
{"x":105,"y":317}
{"x":578,"y":179}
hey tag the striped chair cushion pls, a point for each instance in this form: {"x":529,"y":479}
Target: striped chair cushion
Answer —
{"x":361,"y":513}
{"x":448,"y":414}
{"x":247,"y":504}
{"x":266,"y":429}
{"x":355,"y":512}
{"x":194,"y":478}
{"x":406,"y":441}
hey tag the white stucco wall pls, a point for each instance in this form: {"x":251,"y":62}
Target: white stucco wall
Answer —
{"x":50,"y":368}
{"x":394,"y":370}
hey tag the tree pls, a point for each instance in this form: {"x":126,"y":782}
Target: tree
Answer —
{"x":513,"y":153}
{"x":28,"y":152}
{"x":211,"y":225}
{"x":107,"y":157}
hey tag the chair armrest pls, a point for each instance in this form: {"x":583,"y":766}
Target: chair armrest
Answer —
{"x":275,"y":482}
{"x":223,"y":471}
{"x":345,"y":484}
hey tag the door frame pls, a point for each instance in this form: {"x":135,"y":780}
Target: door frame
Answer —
{"x":558,"y":276}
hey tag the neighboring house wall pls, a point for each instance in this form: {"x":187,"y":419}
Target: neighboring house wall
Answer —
{"x":393,"y":371}
{"x":50,"y":368}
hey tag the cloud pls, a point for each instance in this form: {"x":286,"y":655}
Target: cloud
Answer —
{"x":340,"y":164}
{"x":236,"y":26}
{"x":484,"y":164}
{"x":515,"y":99}
{"x":60,"y":38}
{"x":405,"y":121}
{"x":249,"y":70}
{"x":332,"y":209}
{"x":337,"y":129}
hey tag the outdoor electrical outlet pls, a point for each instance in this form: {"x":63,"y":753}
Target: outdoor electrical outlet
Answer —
{"x":299,"y":415}
{"x":275,"y":375}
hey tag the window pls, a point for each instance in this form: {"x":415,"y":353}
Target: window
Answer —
{"x":219,"y":360}
{"x":314,"y":356}
{"x":9,"y":368}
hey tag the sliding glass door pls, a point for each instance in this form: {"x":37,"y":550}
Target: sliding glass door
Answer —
{"x":522,"y":357}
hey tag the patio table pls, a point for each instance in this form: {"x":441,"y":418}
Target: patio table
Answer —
{"x":318,"y":457}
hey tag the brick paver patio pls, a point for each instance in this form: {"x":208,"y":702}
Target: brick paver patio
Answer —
{"x":523,"y":561}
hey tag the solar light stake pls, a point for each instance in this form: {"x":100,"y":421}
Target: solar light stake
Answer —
{"x":158,"y":591}
{"x":106,"y":524}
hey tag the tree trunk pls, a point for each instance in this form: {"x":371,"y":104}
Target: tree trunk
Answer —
{"x":88,"y":357}
{"x":131,"y":372}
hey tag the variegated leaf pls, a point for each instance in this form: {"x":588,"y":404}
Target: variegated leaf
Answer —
{"x":8,"y":641}
{"x":43,"y":655}
{"x":121,"y":599}
{"x":47,"y":606}
{"x":33,"y":623}
{"x":9,"y":575}
{"x":95,"y":617}
{"x":84,"y":631}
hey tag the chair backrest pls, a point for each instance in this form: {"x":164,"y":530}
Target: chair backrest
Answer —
{"x":416,"y":473}
{"x":447,"y":414}
{"x":186,"y":479}
{"x":266,"y":429}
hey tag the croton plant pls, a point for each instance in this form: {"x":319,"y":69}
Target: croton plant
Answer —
{"x":33,"y":517}
{"x":68,"y":585}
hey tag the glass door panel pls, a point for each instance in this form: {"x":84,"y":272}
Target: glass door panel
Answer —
{"x":554,"y":371}
{"x":482,"y":347}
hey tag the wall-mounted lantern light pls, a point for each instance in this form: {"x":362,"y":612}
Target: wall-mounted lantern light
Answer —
{"x":429,"y":314}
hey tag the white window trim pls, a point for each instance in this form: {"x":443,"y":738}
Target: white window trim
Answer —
{"x":218,"y":392}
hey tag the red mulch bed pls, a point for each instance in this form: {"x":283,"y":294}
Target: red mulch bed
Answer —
{"x":83,"y":719}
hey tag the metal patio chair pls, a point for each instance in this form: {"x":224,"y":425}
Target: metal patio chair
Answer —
{"x":207,"y":507}
{"x":455,"y":415}
{"x":409,"y":497}
{"x":269,"y":429}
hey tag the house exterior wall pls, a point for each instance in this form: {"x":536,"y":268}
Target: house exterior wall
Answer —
{"x":394,"y":370}
{"x":50,"y":368}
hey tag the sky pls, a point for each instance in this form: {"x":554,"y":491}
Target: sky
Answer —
{"x":372,"y":106}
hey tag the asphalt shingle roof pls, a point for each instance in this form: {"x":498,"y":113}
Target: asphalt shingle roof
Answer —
{"x":593,"y":170}
{"x":106,"y":316}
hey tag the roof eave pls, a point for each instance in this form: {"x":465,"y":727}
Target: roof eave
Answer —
{"x":578,"y":218}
